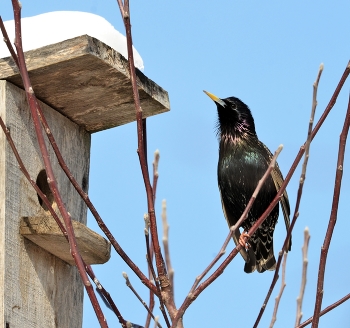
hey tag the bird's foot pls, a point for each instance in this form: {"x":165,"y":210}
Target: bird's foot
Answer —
{"x":243,"y":240}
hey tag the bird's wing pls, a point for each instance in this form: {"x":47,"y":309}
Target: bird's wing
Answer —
{"x":236,"y":233}
{"x":278,"y":180}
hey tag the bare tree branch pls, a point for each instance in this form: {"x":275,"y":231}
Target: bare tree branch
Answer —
{"x":8,"y":43}
{"x":155,"y":173}
{"x":128,"y":283}
{"x":326,"y":310}
{"x":294,"y":165}
{"x":166,"y":247}
{"x":333,"y":218}
{"x":162,"y":276}
{"x":303,"y":279}
{"x":279,"y":296}
{"x":105,"y":295}
{"x":152,"y":273}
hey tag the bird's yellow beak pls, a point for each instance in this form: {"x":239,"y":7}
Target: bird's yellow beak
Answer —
{"x":215,"y":98}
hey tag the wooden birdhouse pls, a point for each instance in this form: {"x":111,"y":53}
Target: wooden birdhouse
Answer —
{"x":84,"y":87}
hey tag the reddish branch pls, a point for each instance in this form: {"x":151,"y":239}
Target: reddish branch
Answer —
{"x":326,"y":310}
{"x":105,"y":295}
{"x":7,"y":42}
{"x":333,"y":218}
{"x":306,"y":146}
{"x":33,"y":104}
{"x":162,"y":275}
{"x":288,"y":177}
{"x":148,"y":244}
{"x":153,"y":274}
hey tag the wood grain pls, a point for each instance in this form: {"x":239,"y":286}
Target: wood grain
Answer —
{"x":88,"y":82}
{"x":37,"y":288}
{"x":44,"y":232}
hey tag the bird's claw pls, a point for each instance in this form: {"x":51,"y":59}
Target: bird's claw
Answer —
{"x":243,"y":240}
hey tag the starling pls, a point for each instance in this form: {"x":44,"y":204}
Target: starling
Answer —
{"x":243,"y":160}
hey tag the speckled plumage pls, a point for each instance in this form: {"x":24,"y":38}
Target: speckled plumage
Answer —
{"x":243,"y":160}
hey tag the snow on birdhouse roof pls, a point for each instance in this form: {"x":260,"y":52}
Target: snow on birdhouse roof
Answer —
{"x":53,"y":27}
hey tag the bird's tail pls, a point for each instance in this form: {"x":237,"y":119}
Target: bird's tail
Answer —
{"x":261,"y":256}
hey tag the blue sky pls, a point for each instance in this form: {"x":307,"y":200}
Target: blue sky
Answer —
{"x":267,"y":54}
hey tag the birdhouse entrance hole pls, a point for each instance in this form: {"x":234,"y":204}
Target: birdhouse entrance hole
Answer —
{"x":43,"y":185}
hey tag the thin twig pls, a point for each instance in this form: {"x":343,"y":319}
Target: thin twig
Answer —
{"x":128,"y":283}
{"x":162,"y":275}
{"x":106,"y":297}
{"x":151,"y":307}
{"x":155,"y":173}
{"x":309,"y":132}
{"x":190,"y":298}
{"x":279,"y":296}
{"x":166,"y":247}
{"x":306,"y":149}
{"x":162,"y":309}
{"x":156,"y":321}
{"x":303,"y":278}
{"x":326,"y":310}
{"x":152,"y":273}
{"x":150,"y":251}
{"x":8,"y":43}
{"x":333,"y":218}
{"x":149,"y":258}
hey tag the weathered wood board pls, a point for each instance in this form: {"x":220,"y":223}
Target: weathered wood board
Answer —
{"x":44,"y":232}
{"x":88,"y":82}
{"x":37,"y":288}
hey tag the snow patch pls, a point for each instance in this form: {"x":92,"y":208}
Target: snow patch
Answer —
{"x":57,"y":26}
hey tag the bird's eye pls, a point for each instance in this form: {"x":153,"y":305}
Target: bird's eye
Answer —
{"x":234,"y":106}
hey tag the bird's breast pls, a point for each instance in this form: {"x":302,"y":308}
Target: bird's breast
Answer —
{"x":239,"y":171}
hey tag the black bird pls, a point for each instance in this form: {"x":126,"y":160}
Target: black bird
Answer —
{"x":243,"y":160}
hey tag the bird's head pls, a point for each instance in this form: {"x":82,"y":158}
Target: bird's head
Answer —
{"x":235,"y":121}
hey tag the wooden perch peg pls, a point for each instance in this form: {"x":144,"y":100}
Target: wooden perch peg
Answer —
{"x":44,"y":232}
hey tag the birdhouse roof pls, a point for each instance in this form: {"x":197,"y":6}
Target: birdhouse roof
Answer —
{"x":88,"y":82}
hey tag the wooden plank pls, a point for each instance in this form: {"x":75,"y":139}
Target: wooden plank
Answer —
{"x":88,"y":82}
{"x":44,"y":232}
{"x":37,"y":288}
